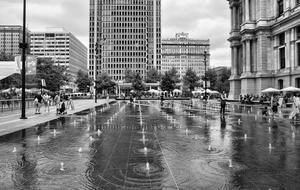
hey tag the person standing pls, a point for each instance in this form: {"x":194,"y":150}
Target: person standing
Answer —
{"x":223,"y":104}
{"x":38,"y":103}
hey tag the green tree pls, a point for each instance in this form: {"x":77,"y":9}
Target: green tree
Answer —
{"x":169,"y":80}
{"x":104,"y":83}
{"x":55,"y":76}
{"x":137,"y":83}
{"x":83,"y":81}
{"x":191,"y":79}
{"x":6,"y":57}
{"x":129,"y":75}
{"x":211,"y":76}
{"x":153,"y":76}
{"x":222,"y":83}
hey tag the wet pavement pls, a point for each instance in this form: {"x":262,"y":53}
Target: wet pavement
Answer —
{"x":147,"y":146}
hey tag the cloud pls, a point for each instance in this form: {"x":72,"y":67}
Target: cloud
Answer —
{"x":201,"y":18}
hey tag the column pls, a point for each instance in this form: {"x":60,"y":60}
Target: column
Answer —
{"x":234,"y":8}
{"x":247,"y":10}
{"x":235,"y":61}
{"x":244,"y":57}
{"x":248,"y":56}
{"x":292,"y":48}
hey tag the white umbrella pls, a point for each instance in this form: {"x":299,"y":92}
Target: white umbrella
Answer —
{"x":177,"y":91}
{"x":268,"y":90}
{"x":290,"y":89}
{"x":214,"y":92}
{"x":153,"y":91}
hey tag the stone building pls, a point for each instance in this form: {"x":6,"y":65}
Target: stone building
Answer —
{"x":183,"y":52}
{"x":265,"y":45}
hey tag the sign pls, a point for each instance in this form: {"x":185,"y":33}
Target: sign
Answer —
{"x":43,"y":82}
{"x":30,"y":64}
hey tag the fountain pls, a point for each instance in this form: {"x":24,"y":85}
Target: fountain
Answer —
{"x":230,"y":163}
{"x":293,"y":135}
{"x":144,"y":139}
{"x":209,"y":148}
{"x":91,"y":138}
{"x":62,"y":166}
{"x":147,"y":166}
{"x":269,"y":120}
{"x":245,"y":136}
{"x":269,"y":129}
{"x":99,"y":132}
{"x":15,"y":149}
{"x":186,"y":131}
{"x":38,"y":138}
{"x":143,"y":131}
{"x":145,"y":150}
{"x":239,"y":121}
{"x":270,"y":146}
{"x":80,"y":150}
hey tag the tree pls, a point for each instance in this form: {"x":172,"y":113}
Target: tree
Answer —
{"x":129,"y":76}
{"x":153,"y":76}
{"x":104,"y":83}
{"x":83,"y":81}
{"x":137,"y":83}
{"x":190,"y":79}
{"x":55,"y":76}
{"x":6,"y":57}
{"x":211,"y":76}
{"x":222,"y":83}
{"x":169,"y":80}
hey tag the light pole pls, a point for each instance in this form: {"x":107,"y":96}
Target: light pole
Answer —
{"x":205,"y":79}
{"x":23,"y":46}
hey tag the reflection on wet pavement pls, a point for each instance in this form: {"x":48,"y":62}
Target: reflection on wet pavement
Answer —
{"x":146,"y":146}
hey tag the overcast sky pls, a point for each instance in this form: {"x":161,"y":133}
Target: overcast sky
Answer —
{"x":201,"y":18}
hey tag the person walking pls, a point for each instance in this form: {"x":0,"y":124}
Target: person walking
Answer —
{"x":46,"y":99}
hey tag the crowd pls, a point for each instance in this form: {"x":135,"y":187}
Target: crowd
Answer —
{"x":61,"y":101}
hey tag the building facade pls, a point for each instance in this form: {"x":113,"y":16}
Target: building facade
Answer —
{"x":124,"y":34}
{"x":183,"y":52}
{"x":62,"y":47}
{"x":265,"y":45}
{"x":10,"y":38}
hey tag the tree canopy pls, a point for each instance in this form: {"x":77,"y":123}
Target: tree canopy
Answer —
{"x":55,"y":76}
{"x":191,"y":79}
{"x":83,"y":81}
{"x":153,"y":76}
{"x":6,"y":57}
{"x":104,"y":82}
{"x":129,"y":76}
{"x":169,"y":80}
{"x":137,"y":82}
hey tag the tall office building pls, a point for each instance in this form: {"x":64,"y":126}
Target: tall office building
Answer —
{"x":183,"y":52}
{"x":265,"y":44}
{"x":10,"y":38}
{"x":124,"y":34}
{"x":62,"y":47}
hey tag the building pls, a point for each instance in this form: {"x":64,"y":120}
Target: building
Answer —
{"x":265,"y":45}
{"x":62,"y":47}
{"x":124,"y":34}
{"x":10,"y":38}
{"x":183,"y":52}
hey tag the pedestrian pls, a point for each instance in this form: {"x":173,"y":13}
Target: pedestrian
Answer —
{"x":46,"y":99}
{"x":38,"y":103}
{"x":295,"y":109}
{"x":57,"y":99}
{"x":223,"y":104}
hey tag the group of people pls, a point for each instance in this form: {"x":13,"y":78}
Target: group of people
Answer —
{"x":61,"y":101}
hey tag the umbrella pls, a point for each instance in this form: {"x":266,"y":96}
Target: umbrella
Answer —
{"x":177,"y":91}
{"x":268,"y":90}
{"x":153,"y":91}
{"x":290,"y":89}
{"x":214,"y":92}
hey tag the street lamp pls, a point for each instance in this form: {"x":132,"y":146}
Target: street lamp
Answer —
{"x":205,"y":79}
{"x":23,"y":46}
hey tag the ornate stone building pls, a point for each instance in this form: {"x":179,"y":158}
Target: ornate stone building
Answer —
{"x":265,"y":45}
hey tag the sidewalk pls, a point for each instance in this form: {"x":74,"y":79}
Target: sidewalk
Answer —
{"x":10,"y":122}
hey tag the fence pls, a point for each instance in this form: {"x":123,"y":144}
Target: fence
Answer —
{"x":14,"y":104}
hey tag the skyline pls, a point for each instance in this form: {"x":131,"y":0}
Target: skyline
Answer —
{"x":204,"y":19}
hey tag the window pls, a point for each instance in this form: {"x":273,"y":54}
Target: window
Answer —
{"x":280,"y":84}
{"x":298,"y":32}
{"x":282,"y":57}
{"x":297,"y":82}
{"x":280,"y":7}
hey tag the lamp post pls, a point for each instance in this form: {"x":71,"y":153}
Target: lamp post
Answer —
{"x":205,"y":82}
{"x":23,"y":46}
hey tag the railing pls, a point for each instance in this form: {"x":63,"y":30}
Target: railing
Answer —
{"x":14,"y":104}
